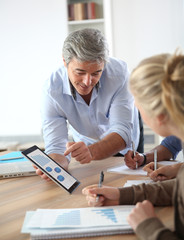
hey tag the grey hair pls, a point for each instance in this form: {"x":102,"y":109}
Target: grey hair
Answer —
{"x":86,"y":45}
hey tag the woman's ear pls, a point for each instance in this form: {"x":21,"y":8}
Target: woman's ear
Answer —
{"x":162,"y":119}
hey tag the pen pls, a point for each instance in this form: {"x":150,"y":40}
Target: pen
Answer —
{"x":13,"y":158}
{"x":133,"y":147}
{"x":155,"y":160}
{"x":100,"y":184}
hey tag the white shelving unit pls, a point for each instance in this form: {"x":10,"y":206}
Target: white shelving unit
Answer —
{"x":102,"y":22}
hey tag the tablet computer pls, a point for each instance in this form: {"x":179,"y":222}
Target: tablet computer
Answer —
{"x":51,"y":168}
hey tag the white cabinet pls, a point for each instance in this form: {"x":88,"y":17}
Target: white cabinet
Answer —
{"x":102,"y":19}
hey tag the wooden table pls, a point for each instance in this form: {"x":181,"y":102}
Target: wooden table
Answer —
{"x":18,"y":195}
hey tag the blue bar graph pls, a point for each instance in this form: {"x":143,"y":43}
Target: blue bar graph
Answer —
{"x":70,"y":218}
{"x":108,"y":213}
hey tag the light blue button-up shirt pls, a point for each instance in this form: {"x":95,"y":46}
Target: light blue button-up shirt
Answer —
{"x":111,"y":109}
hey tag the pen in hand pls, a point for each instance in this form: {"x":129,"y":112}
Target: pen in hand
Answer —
{"x":155,"y":160}
{"x":100,"y":184}
{"x":133,"y":147}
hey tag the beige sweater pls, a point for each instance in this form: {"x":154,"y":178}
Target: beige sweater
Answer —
{"x":170,"y":192}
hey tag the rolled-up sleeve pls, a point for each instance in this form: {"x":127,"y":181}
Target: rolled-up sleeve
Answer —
{"x":173,"y":144}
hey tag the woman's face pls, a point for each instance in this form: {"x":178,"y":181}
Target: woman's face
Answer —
{"x":157,"y":124}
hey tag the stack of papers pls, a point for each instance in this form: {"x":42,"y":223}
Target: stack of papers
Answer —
{"x":77,"y":222}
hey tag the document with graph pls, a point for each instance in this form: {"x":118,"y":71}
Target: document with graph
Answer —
{"x":77,"y":222}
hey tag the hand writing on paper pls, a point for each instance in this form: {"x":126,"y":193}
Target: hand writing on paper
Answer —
{"x":142,"y":211}
{"x":163,"y":172}
{"x":79,"y":151}
{"x":108,"y":196}
{"x":130,"y":159}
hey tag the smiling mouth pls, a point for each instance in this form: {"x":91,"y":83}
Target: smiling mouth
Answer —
{"x":84,"y":87}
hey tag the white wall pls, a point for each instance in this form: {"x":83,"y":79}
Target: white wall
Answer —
{"x":142,"y":28}
{"x":31,"y":37}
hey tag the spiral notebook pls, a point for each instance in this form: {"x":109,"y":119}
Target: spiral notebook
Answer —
{"x":46,"y":224}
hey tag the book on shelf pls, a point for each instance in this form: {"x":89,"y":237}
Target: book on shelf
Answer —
{"x":70,"y":12}
{"x":77,"y":222}
{"x":91,"y":10}
{"x":80,"y":11}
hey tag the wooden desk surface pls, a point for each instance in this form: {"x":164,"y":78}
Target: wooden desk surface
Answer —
{"x":18,"y":195}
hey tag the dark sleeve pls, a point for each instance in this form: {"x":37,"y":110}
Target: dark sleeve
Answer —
{"x":153,"y":229}
{"x":159,"y":194}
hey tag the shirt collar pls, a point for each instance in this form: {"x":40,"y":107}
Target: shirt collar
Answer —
{"x":73,"y":91}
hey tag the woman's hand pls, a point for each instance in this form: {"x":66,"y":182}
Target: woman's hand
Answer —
{"x":163,"y":172}
{"x":108,"y":195}
{"x":141,"y":212}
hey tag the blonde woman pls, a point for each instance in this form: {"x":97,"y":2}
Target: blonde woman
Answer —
{"x":158,"y":87}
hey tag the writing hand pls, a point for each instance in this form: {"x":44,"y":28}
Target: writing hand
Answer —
{"x":130,"y":159}
{"x":163,"y":172}
{"x":79,"y":151}
{"x":108,"y":195}
{"x":141,"y":212}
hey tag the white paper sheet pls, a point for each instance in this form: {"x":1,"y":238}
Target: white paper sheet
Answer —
{"x":123,"y":169}
{"x":129,"y":183}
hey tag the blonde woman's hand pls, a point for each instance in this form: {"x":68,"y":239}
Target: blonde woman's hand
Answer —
{"x":163,"y":172}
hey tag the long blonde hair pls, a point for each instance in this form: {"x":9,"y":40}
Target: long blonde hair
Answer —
{"x":158,"y":85}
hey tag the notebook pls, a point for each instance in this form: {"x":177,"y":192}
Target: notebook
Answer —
{"x":46,"y":224}
{"x":15,"y":165}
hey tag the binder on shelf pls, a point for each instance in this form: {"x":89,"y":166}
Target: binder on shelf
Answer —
{"x":77,"y":222}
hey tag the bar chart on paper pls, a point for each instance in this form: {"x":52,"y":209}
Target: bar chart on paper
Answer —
{"x":85,"y":217}
{"x":69,"y":218}
{"x":106,"y":214}
{"x":74,"y":217}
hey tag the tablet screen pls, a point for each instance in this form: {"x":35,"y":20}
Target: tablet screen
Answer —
{"x":51,"y":168}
